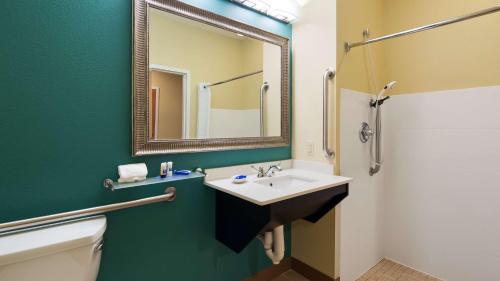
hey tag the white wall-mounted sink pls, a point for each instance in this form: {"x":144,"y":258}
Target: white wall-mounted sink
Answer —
{"x":261,"y":206}
{"x":289,"y":183}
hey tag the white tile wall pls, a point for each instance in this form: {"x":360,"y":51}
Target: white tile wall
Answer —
{"x":442,"y":193}
{"x":233,"y":123}
{"x":439,"y":211}
{"x":361,"y":212}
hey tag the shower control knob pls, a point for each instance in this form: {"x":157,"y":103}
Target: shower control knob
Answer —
{"x":365,"y":132}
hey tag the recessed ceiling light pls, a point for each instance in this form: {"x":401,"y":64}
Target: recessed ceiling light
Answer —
{"x":258,"y":5}
{"x":240,"y":35}
{"x":282,"y":15}
{"x":285,"y":10}
{"x":249,"y":4}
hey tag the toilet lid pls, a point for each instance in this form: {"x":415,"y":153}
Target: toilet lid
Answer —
{"x":50,"y":239}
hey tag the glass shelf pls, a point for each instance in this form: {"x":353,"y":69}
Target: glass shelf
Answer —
{"x":156,"y":180}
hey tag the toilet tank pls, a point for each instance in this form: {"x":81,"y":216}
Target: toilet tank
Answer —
{"x":69,"y":251}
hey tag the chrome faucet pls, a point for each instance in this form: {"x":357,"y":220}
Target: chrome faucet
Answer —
{"x":270,"y":171}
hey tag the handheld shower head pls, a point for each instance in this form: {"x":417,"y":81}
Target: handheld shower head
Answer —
{"x":390,"y":85}
{"x":386,"y":88}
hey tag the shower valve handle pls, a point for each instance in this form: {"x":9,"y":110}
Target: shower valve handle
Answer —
{"x":365,"y":132}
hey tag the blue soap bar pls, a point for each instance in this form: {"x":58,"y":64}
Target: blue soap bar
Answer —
{"x":182,"y":172}
{"x":239,"y":179}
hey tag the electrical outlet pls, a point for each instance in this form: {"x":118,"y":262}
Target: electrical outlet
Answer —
{"x":310,"y":148}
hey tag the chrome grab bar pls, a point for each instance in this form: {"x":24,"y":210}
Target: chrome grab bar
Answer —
{"x":329,"y":74}
{"x":378,"y":136}
{"x":263,"y":89}
{"x":9,"y":226}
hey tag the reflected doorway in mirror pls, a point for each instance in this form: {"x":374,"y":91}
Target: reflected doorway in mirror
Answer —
{"x":171,"y":113}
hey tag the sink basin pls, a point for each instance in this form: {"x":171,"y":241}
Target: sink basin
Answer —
{"x":243,"y":210}
{"x":284,"y":185}
{"x":282,"y":182}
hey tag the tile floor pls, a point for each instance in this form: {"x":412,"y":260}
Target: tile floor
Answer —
{"x":387,"y":270}
{"x":290,"y":275}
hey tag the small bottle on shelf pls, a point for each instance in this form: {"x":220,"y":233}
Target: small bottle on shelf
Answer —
{"x":163,"y":170}
{"x":170,"y":169}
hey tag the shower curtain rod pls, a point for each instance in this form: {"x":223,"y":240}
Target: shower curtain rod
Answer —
{"x":234,"y":78}
{"x":348,"y":46}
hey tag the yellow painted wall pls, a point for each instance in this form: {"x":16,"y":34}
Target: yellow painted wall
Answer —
{"x":252,"y":61}
{"x":354,"y":69}
{"x":210,"y":57}
{"x":461,"y":55}
{"x":314,"y":244}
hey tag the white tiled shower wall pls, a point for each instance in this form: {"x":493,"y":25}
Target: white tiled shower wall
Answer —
{"x":361,"y":212}
{"x":439,"y":211}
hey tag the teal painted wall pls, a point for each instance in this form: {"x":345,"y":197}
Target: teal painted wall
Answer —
{"x":65,"y":69}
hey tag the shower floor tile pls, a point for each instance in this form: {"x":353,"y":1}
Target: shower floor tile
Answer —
{"x":387,"y":270}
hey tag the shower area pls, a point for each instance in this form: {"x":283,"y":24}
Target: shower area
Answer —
{"x":420,"y":132}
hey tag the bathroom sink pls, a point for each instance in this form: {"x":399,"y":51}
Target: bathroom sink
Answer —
{"x":286,"y":184}
{"x":260,"y":205}
{"x":282,"y":182}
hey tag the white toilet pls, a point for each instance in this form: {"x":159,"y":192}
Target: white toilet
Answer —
{"x":69,"y":251}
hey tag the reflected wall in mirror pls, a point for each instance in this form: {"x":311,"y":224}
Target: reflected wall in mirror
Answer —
{"x":206,"y":82}
{"x":203,"y":82}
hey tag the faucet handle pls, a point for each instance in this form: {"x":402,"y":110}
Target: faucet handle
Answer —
{"x":256,"y":168}
{"x":259,"y":170}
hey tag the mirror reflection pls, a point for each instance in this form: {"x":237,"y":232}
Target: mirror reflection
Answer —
{"x":207,"y":82}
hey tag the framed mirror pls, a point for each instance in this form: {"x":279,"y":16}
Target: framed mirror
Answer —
{"x":204,"y":82}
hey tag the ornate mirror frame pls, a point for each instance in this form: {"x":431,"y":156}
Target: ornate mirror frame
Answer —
{"x":141,"y":144}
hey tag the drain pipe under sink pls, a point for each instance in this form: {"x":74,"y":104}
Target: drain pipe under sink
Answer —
{"x":274,"y":244}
